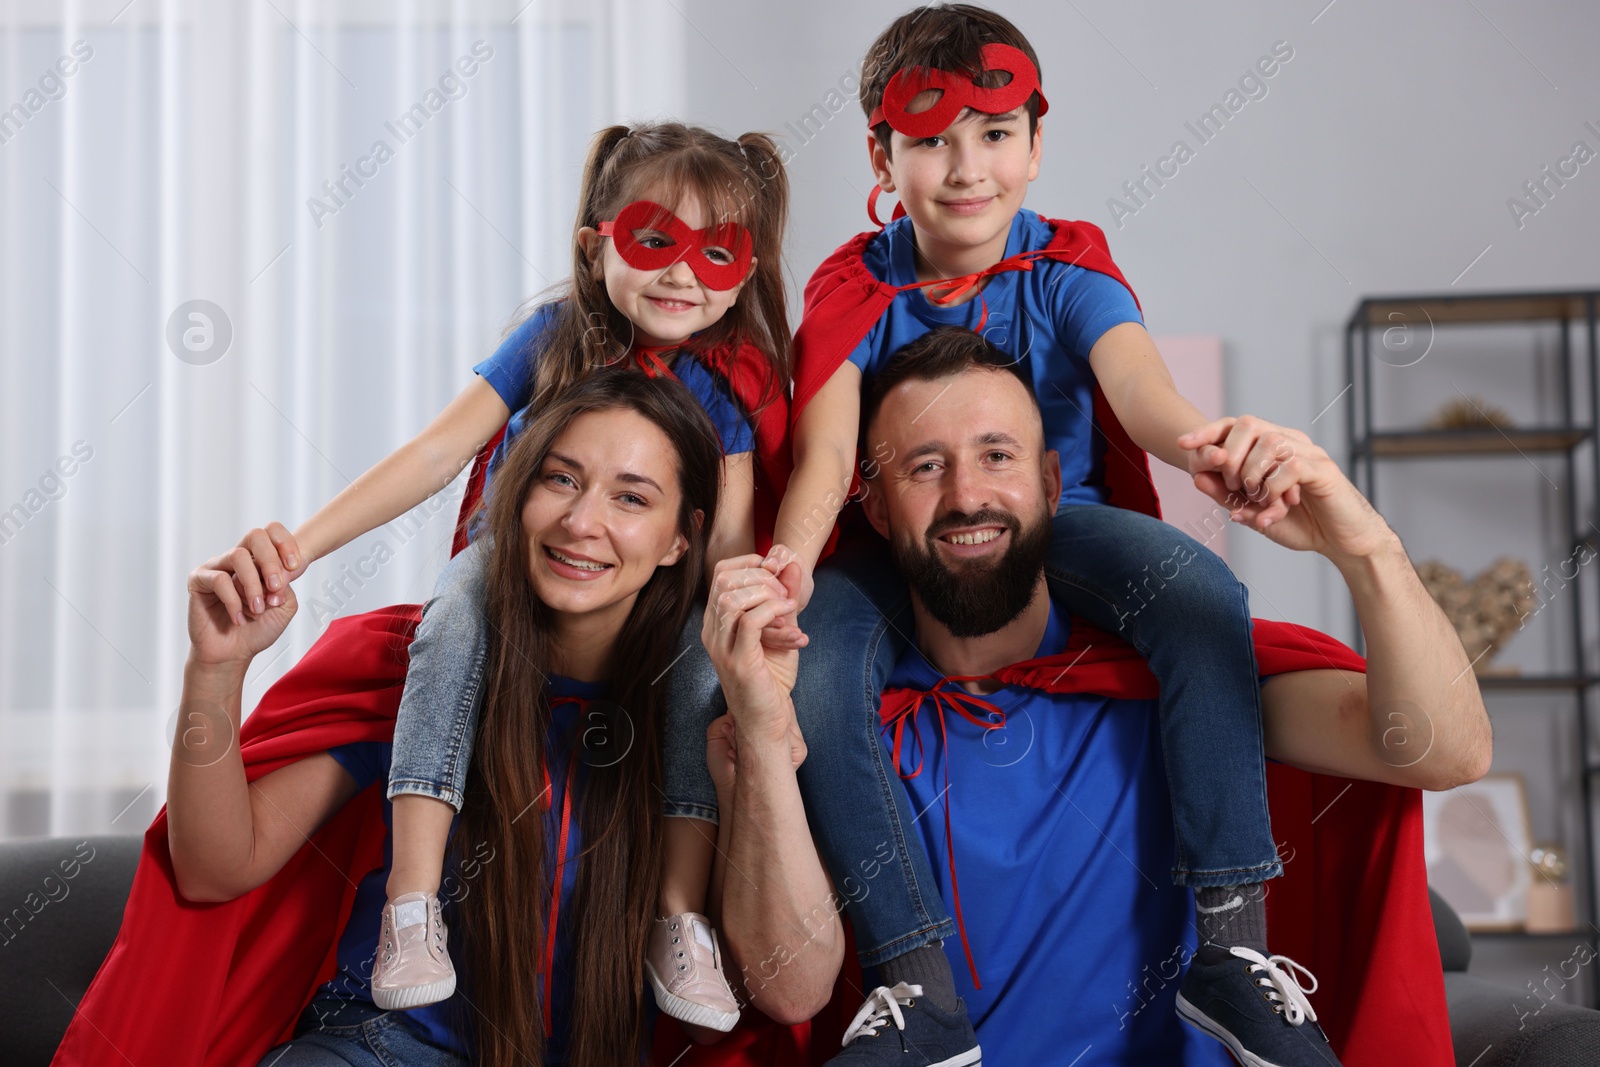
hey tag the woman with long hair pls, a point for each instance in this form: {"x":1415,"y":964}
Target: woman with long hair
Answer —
{"x":597,"y":538}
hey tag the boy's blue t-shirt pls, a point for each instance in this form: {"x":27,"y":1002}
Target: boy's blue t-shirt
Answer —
{"x":1064,"y":847}
{"x":1049,"y":317}
{"x":510,"y":369}
{"x":446,"y":1024}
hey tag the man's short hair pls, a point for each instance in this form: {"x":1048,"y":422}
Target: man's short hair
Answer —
{"x":943,"y":37}
{"x":943,"y":352}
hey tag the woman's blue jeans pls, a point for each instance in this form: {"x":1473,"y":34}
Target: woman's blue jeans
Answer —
{"x":341,"y":1033}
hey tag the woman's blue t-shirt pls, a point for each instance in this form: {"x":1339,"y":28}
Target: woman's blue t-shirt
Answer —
{"x":444,"y":1024}
{"x":1048,"y":317}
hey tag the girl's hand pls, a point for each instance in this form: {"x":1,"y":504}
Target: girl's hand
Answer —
{"x":219,"y":630}
{"x":790,"y":568}
{"x":272,"y":559}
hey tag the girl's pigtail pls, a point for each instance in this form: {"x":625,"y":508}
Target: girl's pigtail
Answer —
{"x":768,"y":187}
{"x":585,"y":317}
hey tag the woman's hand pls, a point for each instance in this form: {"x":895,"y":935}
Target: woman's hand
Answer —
{"x":219,"y":630}
{"x":746,"y":598}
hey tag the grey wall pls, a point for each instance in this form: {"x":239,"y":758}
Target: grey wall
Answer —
{"x":1380,"y":160}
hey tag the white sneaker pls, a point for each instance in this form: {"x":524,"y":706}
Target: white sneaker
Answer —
{"x":413,"y":963}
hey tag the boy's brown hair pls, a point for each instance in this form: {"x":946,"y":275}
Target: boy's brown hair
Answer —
{"x":943,"y":37}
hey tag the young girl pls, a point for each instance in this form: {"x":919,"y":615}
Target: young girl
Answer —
{"x":676,"y":268}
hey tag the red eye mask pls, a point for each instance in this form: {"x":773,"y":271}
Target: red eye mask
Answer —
{"x":691,"y":246}
{"x":957,"y":92}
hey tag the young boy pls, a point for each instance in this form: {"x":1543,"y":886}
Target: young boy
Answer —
{"x":954,"y":101}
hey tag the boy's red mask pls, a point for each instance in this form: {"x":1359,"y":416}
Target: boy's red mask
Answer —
{"x":691,"y":246}
{"x":958,"y":91}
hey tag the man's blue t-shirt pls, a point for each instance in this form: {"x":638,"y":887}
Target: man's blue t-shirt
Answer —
{"x":510,"y":369}
{"x":1064,"y":845}
{"x":445,"y":1024}
{"x":1049,"y":317}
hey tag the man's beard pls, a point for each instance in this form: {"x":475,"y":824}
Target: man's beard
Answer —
{"x":979,"y":598}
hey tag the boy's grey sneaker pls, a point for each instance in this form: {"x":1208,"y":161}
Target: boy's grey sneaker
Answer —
{"x":1255,"y":1005}
{"x":899,"y":1026}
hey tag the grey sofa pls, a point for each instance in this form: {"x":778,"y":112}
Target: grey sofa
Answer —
{"x":64,"y":897}
{"x":1501,"y":1026}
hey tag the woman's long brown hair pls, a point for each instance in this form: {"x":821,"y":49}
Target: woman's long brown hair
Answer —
{"x":741,"y":180}
{"x":618,"y":797}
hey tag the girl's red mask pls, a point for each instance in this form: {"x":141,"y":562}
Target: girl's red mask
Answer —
{"x":694,"y":247}
{"x":957,"y":92}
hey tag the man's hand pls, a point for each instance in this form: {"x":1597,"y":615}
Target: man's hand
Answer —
{"x":219,"y":630}
{"x":746,"y":598}
{"x":1278,"y":481}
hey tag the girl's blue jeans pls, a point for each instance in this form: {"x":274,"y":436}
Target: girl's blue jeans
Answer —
{"x":438,"y":717}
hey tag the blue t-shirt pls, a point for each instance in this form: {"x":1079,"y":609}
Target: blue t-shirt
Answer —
{"x":511,"y":371}
{"x":1049,"y":317}
{"x":444,"y":1024}
{"x":1064,"y":846}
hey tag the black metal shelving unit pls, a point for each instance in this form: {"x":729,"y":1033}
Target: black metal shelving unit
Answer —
{"x":1574,"y":312}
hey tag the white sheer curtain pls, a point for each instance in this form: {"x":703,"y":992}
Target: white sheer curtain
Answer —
{"x":361,"y":194}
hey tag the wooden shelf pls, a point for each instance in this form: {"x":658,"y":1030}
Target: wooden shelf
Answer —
{"x":1512,"y":682}
{"x":1473,"y":308}
{"x":1419,"y":444}
{"x":1523,"y":935}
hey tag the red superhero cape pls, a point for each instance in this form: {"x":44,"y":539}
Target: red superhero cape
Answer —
{"x":190,"y":984}
{"x":1352,"y":904}
{"x":844,"y":300}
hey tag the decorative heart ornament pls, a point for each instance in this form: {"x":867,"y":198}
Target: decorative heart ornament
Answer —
{"x":1487,"y":611}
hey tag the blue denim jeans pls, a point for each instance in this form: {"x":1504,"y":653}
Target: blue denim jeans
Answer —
{"x":364,"y":1035}
{"x":694,"y":699}
{"x":438,"y":717}
{"x":1130,"y":574}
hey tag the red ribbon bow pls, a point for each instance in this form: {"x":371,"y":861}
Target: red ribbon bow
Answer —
{"x":648,"y":357}
{"x":958,"y":91}
{"x":694,"y":247}
{"x":947,"y":292}
{"x":964,"y":704}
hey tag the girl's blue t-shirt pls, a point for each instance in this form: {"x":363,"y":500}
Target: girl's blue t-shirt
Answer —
{"x":446,"y":1023}
{"x":1064,"y":843}
{"x":1048,"y":318}
{"x":510,"y":370}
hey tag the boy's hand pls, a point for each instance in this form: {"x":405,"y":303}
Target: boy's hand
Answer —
{"x":263,"y":565}
{"x":789,"y":567}
{"x":1237,"y":462}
